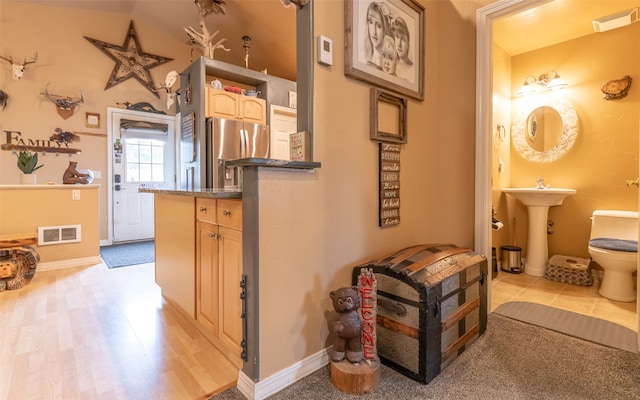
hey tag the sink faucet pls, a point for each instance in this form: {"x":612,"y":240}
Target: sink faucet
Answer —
{"x":540,"y":183}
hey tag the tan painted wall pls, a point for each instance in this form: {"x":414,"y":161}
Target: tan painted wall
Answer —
{"x":24,"y":209}
{"x":605,"y":154}
{"x":72,"y":64}
{"x":315,"y":227}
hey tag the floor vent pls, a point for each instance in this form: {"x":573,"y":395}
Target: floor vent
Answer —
{"x":58,"y":234}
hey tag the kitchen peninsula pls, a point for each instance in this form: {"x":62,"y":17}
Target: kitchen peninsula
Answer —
{"x":207,"y":255}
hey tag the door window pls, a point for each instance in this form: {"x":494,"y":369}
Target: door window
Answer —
{"x":144,"y":160}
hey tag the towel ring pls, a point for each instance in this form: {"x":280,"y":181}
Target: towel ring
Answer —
{"x":502,"y":132}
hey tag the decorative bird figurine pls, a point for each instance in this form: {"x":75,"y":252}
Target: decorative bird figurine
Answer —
{"x":210,"y":6}
{"x":616,"y":88}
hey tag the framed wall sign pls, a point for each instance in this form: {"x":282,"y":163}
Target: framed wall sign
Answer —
{"x":92,"y":120}
{"x":388,"y":117}
{"x":384,"y":44}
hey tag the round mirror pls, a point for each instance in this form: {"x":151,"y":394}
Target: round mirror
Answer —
{"x":544,"y":131}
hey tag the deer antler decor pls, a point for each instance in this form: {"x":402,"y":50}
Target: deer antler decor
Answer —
{"x":17,"y":70}
{"x":65,"y":105}
{"x":169,"y":81}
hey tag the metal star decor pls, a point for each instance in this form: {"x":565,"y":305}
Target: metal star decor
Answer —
{"x":131,"y":61}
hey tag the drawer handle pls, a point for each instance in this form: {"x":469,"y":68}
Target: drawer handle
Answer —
{"x":203,"y":209}
{"x":226,"y":213}
{"x":214,"y":236}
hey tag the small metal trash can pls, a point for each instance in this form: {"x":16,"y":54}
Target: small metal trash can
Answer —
{"x":512,"y":259}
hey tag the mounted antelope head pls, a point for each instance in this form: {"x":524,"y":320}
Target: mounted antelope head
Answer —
{"x":65,"y":105}
{"x":18,"y":69}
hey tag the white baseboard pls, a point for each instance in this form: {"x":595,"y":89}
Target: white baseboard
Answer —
{"x":74,"y":262}
{"x":275,"y":383}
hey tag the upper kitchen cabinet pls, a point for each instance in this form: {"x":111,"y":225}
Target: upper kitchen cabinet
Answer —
{"x":194,"y":88}
{"x":223,"y":104}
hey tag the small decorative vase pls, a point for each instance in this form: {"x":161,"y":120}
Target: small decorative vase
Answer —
{"x":29,"y":179}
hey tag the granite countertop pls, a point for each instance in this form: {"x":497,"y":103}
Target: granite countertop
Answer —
{"x":208,"y":193}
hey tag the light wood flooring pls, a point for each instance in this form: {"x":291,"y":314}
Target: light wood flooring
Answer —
{"x":95,"y":333}
{"x":98,"y":333}
{"x":580,"y":299}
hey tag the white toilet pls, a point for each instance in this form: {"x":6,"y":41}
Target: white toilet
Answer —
{"x":613,"y":244}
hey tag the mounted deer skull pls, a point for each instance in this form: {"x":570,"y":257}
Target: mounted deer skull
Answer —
{"x":65,"y":105}
{"x":17,"y":70}
{"x":169,"y":81}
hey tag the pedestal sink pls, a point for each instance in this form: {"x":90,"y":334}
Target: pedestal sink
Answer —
{"x":538,"y":202}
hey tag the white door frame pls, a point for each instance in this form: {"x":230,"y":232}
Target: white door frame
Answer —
{"x":131,"y":114}
{"x":485,"y":17}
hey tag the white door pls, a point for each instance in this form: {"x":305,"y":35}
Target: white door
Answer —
{"x":283,"y":121}
{"x":142,"y":156}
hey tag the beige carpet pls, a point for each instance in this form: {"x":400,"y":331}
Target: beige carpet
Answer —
{"x":512,"y":360}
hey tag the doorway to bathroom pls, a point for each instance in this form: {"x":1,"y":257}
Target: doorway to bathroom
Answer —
{"x":484,"y":110}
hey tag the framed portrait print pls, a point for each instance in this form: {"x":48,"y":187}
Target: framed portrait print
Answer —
{"x":384,"y":44}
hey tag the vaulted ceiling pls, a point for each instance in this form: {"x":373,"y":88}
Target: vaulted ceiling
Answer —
{"x":270,"y":25}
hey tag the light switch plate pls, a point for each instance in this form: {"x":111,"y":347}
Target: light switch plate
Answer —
{"x":325,"y":50}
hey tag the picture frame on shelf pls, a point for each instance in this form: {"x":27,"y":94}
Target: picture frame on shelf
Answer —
{"x":392,"y":55}
{"x":388,"y":120}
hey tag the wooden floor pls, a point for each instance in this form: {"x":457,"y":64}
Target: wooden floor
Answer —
{"x":95,"y":333}
{"x":579,"y":299}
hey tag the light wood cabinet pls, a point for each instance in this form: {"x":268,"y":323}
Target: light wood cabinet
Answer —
{"x":219,"y":272}
{"x":174,"y":250}
{"x":228,"y":105}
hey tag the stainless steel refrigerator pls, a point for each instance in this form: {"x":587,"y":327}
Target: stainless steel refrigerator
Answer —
{"x":225,"y":140}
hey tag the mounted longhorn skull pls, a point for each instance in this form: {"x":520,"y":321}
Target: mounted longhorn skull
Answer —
{"x":17,"y":70}
{"x":65,"y":105}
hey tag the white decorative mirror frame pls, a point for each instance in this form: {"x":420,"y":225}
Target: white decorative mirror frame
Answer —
{"x":567,"y":138}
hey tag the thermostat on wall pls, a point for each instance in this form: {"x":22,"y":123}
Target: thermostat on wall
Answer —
{"x":325,"y":50}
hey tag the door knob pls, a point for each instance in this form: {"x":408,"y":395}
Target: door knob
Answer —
{"x":632,"y":183}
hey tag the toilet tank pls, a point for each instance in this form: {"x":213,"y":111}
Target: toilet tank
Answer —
{"x":614,"y":224}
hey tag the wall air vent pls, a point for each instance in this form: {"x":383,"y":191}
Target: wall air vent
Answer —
{"x":616,"y":20}
{"x":58,"y":234}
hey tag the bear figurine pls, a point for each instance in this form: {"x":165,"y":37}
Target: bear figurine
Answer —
{"x":347,"y":327}
{"x":72,"y":175}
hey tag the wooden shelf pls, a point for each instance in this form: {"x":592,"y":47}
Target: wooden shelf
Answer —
{"x":40,"y":149}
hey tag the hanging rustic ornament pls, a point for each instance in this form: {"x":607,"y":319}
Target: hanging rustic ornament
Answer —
{"x":131,"y":61}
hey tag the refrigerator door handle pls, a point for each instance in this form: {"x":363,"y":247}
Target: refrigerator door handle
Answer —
{"x":243,"y":143}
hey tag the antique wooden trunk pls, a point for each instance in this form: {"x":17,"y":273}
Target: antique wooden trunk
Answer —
{"x":432,"y":304}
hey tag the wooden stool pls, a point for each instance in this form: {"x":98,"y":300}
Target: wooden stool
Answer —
{"x":355,"y":379}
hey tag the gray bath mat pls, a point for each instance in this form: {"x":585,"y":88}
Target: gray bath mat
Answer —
{"x":577,"y":325}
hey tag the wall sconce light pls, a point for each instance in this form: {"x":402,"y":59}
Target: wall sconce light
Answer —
{"x":549,"y":81}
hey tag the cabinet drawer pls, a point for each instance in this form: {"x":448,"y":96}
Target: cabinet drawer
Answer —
{"x":206,"y":210}
{"x":230,"y":213}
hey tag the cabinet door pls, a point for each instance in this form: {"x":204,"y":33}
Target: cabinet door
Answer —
{"x":222,"y":104}
{"x":253,"y":109}
{"x":230,"y":332}
{"x":207,"y":276}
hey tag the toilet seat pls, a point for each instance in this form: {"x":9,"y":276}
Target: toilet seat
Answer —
{"x":629,"y":246}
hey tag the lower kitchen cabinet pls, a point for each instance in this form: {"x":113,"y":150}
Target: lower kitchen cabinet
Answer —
{"x":219,"y":272}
